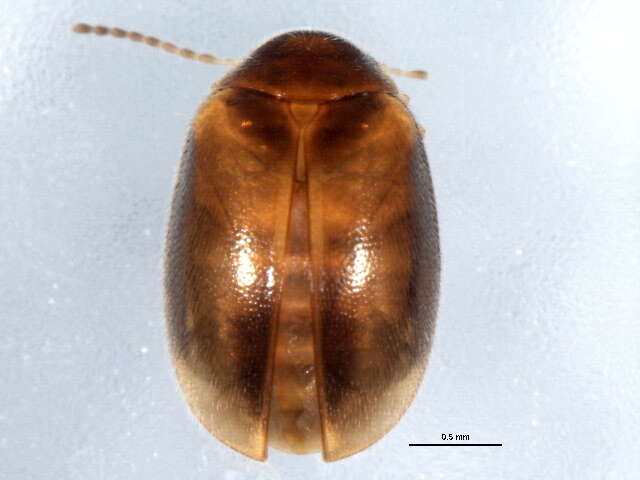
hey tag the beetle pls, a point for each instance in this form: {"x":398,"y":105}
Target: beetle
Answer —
{"x":302,"y":254}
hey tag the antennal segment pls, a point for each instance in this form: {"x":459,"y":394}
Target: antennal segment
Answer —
{"x":419,"y":74}
{"x":153,"y":42}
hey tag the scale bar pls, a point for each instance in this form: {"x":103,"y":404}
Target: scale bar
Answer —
{"x":455,"y":444}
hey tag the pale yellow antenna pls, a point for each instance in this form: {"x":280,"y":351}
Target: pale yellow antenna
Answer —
{"x":203,"y":57}
{"x":153,"y":42}
{"x":418,"y":74}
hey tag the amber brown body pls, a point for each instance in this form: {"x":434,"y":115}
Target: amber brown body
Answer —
{"x":302,"y":255}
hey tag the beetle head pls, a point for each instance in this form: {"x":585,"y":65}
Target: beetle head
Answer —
{"x":309,"y":66}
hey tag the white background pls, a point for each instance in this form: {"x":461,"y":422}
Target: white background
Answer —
{"x":532,"y":118}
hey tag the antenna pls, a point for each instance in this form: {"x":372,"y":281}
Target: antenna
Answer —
{"x":417,"y":74}
{"x":153,"y":42}
{"x":83,"y":28}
